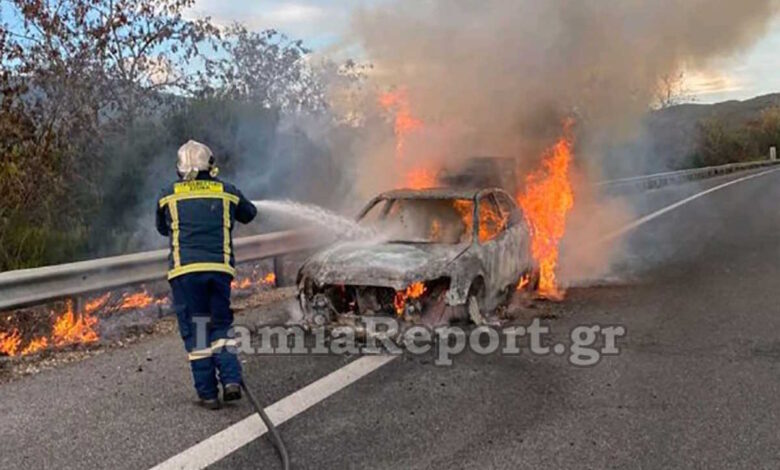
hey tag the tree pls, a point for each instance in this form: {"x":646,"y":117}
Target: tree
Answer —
{"x":264,"y":68}
{"x":718,"y":145}
{"x":765,"y":131}
{"x":672,"y":91}
{"x":111,"y":57}
{"x":72,"y":72}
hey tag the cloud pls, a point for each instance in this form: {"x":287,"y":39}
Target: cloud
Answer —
{"x":711,"y":82}
{"x":294,"y":14}
{"x":311,"y":21}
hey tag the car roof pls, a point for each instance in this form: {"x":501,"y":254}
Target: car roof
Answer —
{"x":437,"y":193}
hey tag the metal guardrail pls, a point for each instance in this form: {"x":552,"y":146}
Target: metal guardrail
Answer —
{"x":40,"y":285}
{"x":660,"y":180}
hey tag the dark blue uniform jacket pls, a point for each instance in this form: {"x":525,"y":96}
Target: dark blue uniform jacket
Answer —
{"x":198,"y":216}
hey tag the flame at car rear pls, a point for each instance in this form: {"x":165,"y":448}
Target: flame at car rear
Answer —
{"x":546,"y":201}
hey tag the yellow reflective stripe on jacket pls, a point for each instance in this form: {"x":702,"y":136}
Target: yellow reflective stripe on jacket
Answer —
{"x":201,"y":267}
{"x":199,"y":189}
{"x":199,"y":195}
{"x":175,"y":243}
{"x":226,"y":230}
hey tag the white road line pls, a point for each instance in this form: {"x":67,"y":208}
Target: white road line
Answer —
{"x":643,"y":220}
{"x":229,"y":440}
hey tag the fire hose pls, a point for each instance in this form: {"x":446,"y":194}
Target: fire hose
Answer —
{"x":276,"y":438}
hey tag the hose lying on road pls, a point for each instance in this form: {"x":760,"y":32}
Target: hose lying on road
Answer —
{"x":276,"y":438}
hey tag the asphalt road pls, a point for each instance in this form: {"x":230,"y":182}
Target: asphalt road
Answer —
{"x":695,"y":385}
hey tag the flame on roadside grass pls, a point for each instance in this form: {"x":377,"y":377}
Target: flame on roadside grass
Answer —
{"x":414,"y":291}
{"x":546,"y":201}
{"x":269,"y":280}
{"x":71,"y":327}
{"x":35,"y":345}
{"x":137,"y":301}
{"x":10,"y":342}
{"x":96,"y":304}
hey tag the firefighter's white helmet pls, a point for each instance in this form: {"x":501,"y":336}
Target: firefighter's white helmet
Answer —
{"x":194,"y":157}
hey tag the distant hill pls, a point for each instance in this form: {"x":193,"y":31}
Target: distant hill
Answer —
{"x":676,"y":126}
{"x":669,"y":136}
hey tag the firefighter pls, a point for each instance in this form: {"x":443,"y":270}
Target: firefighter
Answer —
{"x":197,"y":213}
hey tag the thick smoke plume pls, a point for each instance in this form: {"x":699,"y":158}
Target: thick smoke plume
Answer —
{"x":498,"y":75}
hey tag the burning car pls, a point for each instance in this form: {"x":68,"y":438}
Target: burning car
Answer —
{"x":443,"y":254}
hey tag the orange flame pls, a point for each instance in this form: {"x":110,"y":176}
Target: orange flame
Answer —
{"x":10,"y":342}
{"x":547,"y":200}
{"x":98,"y":303}
{"x":397,"y":103}
{"x":70,"y":328}
{"x":420,"y":178}
{"x":136,"y":301}
{"x":247,"y":282}
{"x":35,"y":345}
{"x":491,"y":222}
{"x":466,"y":211}
{"x":414,"y":291}
{"x":524,"y":282}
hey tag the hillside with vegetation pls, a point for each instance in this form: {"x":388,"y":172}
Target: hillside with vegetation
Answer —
{"x":696,"y":135}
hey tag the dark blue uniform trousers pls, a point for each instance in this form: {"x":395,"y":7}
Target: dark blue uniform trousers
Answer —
{"x":202,"y":304}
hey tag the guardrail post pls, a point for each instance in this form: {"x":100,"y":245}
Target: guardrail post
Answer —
{"x":773,"y":153}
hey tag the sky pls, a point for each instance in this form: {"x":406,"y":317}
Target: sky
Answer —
{"x":320,"y":23}
{"x":754,"y":72}
{"x":323,"y":24}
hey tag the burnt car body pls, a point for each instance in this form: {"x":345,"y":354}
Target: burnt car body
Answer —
{"x":443,"y":254}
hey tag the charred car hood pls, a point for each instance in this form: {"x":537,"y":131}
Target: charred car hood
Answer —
{"x":393,"y":265}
